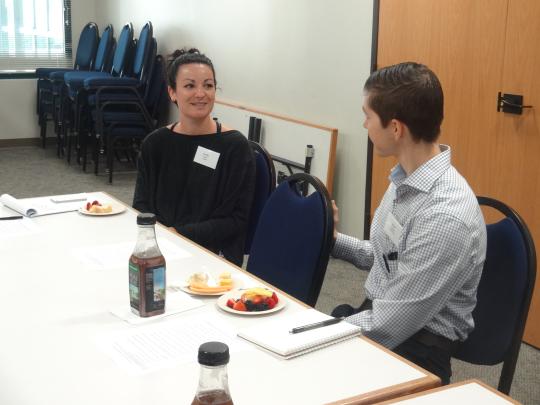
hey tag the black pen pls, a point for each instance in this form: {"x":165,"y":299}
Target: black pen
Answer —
{"x":316,"y":325}
{"x":14,"y":217}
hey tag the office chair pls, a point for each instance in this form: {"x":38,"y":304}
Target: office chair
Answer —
{"x":293,"y":239}
{"x":504,"y":295}
{"x":265,"y":184}
{"x":84,"y":60}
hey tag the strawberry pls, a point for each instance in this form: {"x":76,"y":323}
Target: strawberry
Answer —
{"x":230,"y":303}
{"x":96,"y":202}
{"x":274,"y":297}
{"x":270,"y":302}
{"x":257,"y":299}
{"x":239,"y":306}
{"x":88,"y":205}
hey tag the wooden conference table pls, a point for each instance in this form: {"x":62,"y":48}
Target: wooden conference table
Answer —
{"x":62,"y":277}
{"x":464,"y":392}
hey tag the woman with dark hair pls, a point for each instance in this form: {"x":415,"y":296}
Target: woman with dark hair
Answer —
{"x":196,"y":175}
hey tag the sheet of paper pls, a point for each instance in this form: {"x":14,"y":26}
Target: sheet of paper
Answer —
{"x":148,"y":348}
{"x":116,"y":255}
{"x":176,"y":302}
{"x":17,"y":228}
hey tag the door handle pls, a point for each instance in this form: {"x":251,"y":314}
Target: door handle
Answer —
{"x":511,"y":103}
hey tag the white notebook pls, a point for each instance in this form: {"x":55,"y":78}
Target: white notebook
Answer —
{"x":274,"y":335}
{"x":34,"y":207}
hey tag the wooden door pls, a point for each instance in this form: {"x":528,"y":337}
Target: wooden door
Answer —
{"x":476,"y":51}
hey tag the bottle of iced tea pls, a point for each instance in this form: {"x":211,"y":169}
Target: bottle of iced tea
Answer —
{"x":213,"y":383}
{"x":147,"y":271}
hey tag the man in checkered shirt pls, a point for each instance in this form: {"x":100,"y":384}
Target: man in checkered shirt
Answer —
{"x":428,"y":237}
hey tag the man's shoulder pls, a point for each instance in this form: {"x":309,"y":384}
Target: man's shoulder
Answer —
{"x":451,"y":195}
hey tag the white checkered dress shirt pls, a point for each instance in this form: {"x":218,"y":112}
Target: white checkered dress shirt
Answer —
{"x":433,"y":281}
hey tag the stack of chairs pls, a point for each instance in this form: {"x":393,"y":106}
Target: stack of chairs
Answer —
{"x":124,"y":116}
{"x":84,"y":60}
{"x":75,"y":97}
{"x":109,"y":101}
{"x":106,"y":47}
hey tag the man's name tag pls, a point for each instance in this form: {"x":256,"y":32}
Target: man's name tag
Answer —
{"x":392,"y":228}
{"x":206,"y":157}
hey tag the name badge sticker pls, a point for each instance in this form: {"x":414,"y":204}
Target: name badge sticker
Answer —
{"x":206,"y":157}
{"x":392,"y":228}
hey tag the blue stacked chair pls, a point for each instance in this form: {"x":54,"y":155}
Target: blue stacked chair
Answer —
{"x":123,"y":119}
{"x":74,"y":95}
{"x":111,"y":89}
{"x":102,"y":63}
{"x":84,"y":60}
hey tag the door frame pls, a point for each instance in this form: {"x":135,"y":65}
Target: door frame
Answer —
{"x":369,"y":161}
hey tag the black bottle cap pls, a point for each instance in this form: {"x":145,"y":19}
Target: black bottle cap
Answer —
{"x":146,"y":218}
{"x":213,"y":354}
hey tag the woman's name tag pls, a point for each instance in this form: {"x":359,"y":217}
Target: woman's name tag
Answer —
{"x":206,"y":157}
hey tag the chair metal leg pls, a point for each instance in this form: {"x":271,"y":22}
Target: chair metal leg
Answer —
{"x":110,"y":151}
{"x":43,"y":132}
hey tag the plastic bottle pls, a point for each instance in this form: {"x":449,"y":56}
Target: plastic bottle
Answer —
{"x":147,"y":281}
{"x":213,"y":381}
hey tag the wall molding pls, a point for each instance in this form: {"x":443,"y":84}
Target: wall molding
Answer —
{"x":11,"y":143}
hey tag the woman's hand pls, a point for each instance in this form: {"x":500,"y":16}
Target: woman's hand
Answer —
{"x":335,"y":211}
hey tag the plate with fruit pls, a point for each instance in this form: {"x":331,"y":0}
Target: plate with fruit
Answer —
{"x":204,"y":284}
{"x":98,"y":208}
{"x":251,"y":301}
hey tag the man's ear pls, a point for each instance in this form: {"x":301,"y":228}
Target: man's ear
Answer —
{"x":398,"y":129}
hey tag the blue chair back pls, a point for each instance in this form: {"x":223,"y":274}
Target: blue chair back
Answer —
{"x":265,"y":184}
{"x":142,"y":59}
{"x":86,"y":49}
{"x":155,"y":97}
{"x":123,"y":50}
{"x":504,"y":295}
{"x":104,"y":49}
{"x":292,"y":242}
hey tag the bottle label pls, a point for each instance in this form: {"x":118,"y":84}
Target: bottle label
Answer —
{"x":134,"y":293}
{"x":155,"y":288}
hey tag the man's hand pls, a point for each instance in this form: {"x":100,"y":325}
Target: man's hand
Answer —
{"x":335,"y":210}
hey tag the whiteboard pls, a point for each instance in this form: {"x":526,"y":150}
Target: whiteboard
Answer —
{"x":286,"y":137}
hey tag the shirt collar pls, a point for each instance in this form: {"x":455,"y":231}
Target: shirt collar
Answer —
{"x":423,"y":177}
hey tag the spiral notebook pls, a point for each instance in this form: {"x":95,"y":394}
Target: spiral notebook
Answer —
{"x":275,"y":337}
{"x":34,"y":207}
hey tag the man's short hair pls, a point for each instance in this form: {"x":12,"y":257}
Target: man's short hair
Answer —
{"x":411,"y":93}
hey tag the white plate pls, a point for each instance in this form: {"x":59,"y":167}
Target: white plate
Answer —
{"x":235,"y":294}
{"x":186,"y":288}
{"x":235,"y":285}
{"x":116,"y":209}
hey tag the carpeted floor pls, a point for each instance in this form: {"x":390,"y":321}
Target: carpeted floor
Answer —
{"x":32,"y":171}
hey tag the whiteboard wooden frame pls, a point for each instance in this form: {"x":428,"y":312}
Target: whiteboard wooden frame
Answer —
{"x":323,"y":139}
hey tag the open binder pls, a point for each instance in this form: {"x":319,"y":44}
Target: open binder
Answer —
{"x":275,"y":337}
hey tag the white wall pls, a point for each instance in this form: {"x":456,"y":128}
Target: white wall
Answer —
{"x":303,"y":58}
{"x":18,"y":96}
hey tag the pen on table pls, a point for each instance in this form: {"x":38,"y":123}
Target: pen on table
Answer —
{"x":13,"y":217}
{"x":316,"y":325}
